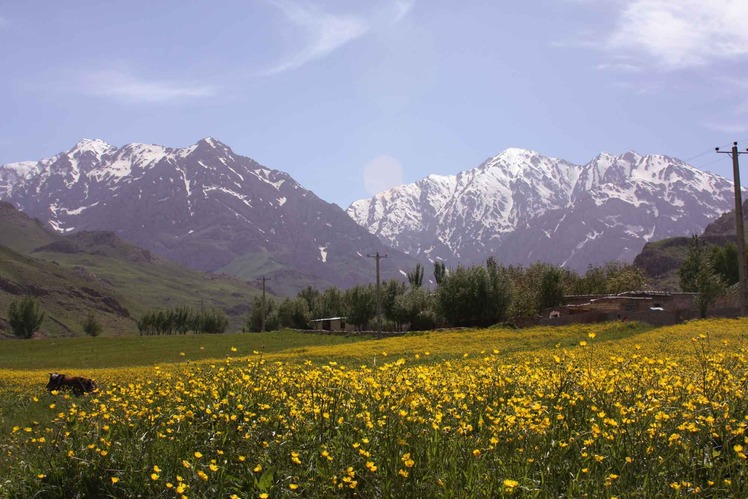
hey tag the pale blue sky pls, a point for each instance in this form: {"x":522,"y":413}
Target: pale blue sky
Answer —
{"x":329,"y":90}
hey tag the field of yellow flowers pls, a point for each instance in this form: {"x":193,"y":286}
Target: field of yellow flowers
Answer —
{"x":602,"y":411}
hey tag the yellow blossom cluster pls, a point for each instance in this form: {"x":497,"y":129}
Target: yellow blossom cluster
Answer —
{"x":647,"y":414}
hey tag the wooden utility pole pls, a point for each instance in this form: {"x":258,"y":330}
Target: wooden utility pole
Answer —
{"x":740,"y":232}
{"x":264,"y":308}
{"x":378,"y":257}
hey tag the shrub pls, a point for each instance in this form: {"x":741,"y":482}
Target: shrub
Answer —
{"x":91,"y":326}
{"x":24,"y":317}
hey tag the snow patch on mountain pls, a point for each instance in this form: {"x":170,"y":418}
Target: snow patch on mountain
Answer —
{"x":522,"y":206}
{"x":203,"y":206}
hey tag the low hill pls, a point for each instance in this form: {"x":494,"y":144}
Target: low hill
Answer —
{"x":98,"y":271}
{"x":65,"y":294}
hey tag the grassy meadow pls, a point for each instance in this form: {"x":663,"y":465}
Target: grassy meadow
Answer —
{"x":607,"y":410}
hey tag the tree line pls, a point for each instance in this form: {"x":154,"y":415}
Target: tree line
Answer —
{"x":182,"y":320}
{"x":479,"y":295}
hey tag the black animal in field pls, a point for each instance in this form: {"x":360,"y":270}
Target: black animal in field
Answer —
{"x":78,"y":384}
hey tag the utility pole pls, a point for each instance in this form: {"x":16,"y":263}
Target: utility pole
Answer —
{"x":264,"y":309}
{"x":378,"y":257}
{"x":742,"y":268}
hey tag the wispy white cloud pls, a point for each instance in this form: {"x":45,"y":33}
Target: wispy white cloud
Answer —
{"x":681,"y":34}
{"x":728,"y":127}
{"x":324,"y":32}
{"x":623,"y":67}
{"x":124,"y":85}
{"x":4,"y":23}
{"x":402,"y":8}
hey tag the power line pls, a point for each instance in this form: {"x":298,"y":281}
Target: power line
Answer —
{"x":711,"y":162}
{"x":709,"y":151}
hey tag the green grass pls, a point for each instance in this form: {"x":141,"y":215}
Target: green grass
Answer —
{"x":56,"y":354}
{"x":127,"y":351}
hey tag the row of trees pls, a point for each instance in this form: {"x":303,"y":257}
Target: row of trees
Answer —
{"x":182,"y":320}
{"x":480,"y":295}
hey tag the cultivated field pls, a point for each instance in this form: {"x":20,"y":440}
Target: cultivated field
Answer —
{"x":599,"y":411}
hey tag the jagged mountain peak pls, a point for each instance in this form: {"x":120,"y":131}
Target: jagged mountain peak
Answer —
{"x":91,"y":145}
{"x":89,"y":151}
{"x":203,"y":206}
{"x":516,"y":155}
{"x":212,"y":146}
{"x":212,"y":142}
{"x":523,"y":207}
{"x":515,"y":163}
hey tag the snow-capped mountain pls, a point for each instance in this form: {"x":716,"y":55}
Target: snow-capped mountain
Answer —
{"x":523,"y":207}
{"x":203,"y":206}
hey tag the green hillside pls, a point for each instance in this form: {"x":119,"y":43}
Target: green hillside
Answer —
{"x":65,"y":294}
{"x":100,"y":272}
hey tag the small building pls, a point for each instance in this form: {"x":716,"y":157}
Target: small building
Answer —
{"x":656,"y":307}
{"x":331,"y":324}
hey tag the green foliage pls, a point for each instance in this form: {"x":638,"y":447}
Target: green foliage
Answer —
{"x":91,"y":326}
{"x":262,"y":318}
{"x":25,"y":317}
{"x":416,"y":307}
{"x":440,"y":270}
{"x":475,"y":296}
{"x":725,"y":262}
{"x":696,"y":259}
{"x":499,"y":294}
{"x":624,"y":277}
{"x":415,"y":278}
{"x":331,"y":304}
{"x":610,"y":278}
{"x":594,"y":282}
{"x":698,"y":274}
{"x":311,"y":296}
{"x":391,"y":290}
{"x":539,"y":286}
{"x":710,"y":285}
{"x":212,"y":321}
{"x":294,"y":313}
{"x":182,"y":320}
{"x":361,"y":305}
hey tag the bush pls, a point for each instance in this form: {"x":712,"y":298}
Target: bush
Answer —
{"x":91,"y":326}
{"x":24,"y":317}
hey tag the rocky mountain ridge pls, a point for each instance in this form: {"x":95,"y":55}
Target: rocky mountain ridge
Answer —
{"x":523,"y":207}
{"x":202,"y":206}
